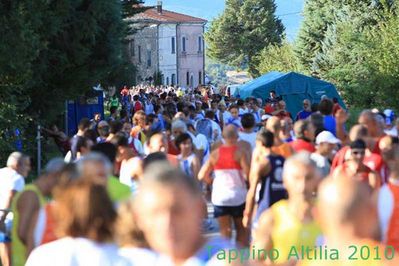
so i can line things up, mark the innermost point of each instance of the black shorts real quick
(234, 211)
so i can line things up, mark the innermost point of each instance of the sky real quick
(287, 10)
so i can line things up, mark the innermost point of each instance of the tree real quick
(278, 58)
(244, 29)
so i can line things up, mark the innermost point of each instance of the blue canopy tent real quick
(293, 87)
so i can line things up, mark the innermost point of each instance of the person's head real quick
(84, 124)
(115, 127)
(306, 105)
(51, 174)
(97, 117)
(389, 147)
(303, 130)
(135, 98)
(170, 211)
(214, 105)
(233, 109)
(157, 142)
(107, 149)
(95, 168)
(265, 139)
(210, 114)
(248, 121)
(84, 209)
(184, 144)
(103, 129)
(113, 111)
(282, 105)
(345, 209)
(357, 151)
(272, 94)
(301, 177)
(122, 144)
(178, 127)
(317, 120)
(369, 119)
(139, 118)
(128, 233)
(273, 125)
(83, 146)
(222, 107)
(127, 128)
(326, 107)
(20, 163)
(286, 124)
(230, 134)
(326, 142)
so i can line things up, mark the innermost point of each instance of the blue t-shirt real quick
(330, 124)
(303, 115)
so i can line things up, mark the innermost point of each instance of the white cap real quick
(327, 136)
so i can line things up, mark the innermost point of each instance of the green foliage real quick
(52, 51)
(244, 29)
(279, 58)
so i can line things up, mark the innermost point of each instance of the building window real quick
(200, 78)
(173, 79)
(148, 58)
(184, 44)
(167, 80)
(200, 44)
(132, 48)
(173, 45)
(188, 78)
(192, 81)
(139, 48)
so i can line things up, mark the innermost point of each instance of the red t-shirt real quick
(302, 145)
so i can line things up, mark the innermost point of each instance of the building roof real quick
(166, 16)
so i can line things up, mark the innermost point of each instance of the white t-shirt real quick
(248, 137)
(322, 163)
(125, 175)
(139, 256)
(9, 180)
(70, 251)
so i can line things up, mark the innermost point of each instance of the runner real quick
(326, 143)
(248, 133)
(304, 135)
(231, 168)
(280, 147)
(12, 181)
(26, 207)
(290, 223)
(354, 167)
(189, 162)
(266, 184)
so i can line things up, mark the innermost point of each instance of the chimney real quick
(159, 7)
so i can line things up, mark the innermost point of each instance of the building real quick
(168, 43)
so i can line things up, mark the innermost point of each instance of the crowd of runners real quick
(132, 188)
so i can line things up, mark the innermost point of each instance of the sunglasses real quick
(358, 152)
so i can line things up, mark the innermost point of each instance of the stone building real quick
(168, 43)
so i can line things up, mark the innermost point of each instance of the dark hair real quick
(210, 114)
(358, 144)
(248, 120)
(113, 109)
(107, 149)
(314, 107)
(266, 137)
(273, 91)
(84, 124)
(150, 119)
(233, 106)
(182, 138)
(335, 100)
(240, 102)
(135, 97)
(81, 143)
(115, 127)
(326, 107)
(120, 140)
(91, 134)
(154, 157)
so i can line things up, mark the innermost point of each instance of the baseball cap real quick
(389, 116)
(327, 136)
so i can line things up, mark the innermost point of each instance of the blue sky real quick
(209, 9)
